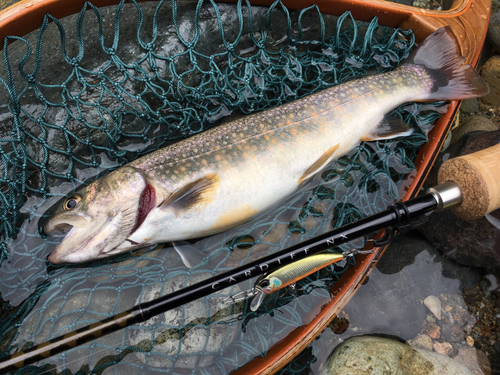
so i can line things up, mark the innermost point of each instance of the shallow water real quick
(391, 303)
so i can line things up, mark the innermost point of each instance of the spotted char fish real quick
(225, 176)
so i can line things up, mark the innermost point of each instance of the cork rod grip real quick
(478, 176)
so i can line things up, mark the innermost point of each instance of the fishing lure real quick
(289, 274)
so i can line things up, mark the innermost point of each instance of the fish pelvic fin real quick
(319, 164)
(190, 255)
(199, 192)
(389, 127)
(451, 79)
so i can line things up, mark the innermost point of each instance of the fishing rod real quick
(462, 180)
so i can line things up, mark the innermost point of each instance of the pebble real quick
(473, 123)
(444, 348)
(448, 318)
(469, 340)
(469, 106)
(448, 308)
(491, 74)
(433, 303)
(422, 342)
(434, 332)
(456, 329)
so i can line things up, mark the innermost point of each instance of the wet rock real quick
(496, 346)
(376, 355)
(483, 362)
(494, 30)
(446, 332)
(474, 123)
(190, 336)
(491, 74)
(447, 142)
(422, 342)
(474, 243)
(444, 348)
(469, 106)
(474, 360)
(434, 332)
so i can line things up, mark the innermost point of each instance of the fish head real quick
(98, 217)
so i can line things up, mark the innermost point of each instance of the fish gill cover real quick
(91, 92)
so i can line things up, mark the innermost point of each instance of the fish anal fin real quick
(196, 194)
(319, 164)
(388, 128)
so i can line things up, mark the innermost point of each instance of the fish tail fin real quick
(438, 55)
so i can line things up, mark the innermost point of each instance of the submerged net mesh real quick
(93, 91)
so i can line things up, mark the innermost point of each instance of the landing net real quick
(91, 92)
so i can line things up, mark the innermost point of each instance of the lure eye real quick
(264, 283)
(71, 203)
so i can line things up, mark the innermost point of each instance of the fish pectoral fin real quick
(389, 127)
(188, 196)
(319, 164)
(189, 254)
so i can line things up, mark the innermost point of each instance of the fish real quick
(225, 176)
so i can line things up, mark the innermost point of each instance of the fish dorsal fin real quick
(389, 127)
(319, 164)
(192, 194)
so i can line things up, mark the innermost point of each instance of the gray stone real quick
(189, 336)
(494, 30)
(491, 74)
(469, 105)
(473, 123)
(372, 355)
(475, 360)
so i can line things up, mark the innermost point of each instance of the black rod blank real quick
(395, 216)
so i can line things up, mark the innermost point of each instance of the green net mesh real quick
(93, 91)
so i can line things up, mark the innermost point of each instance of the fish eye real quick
(71, 202)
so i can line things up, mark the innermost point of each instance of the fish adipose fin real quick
(388, 128)
(319, 164)
(189, 254)
(451, 80)
(188, 196)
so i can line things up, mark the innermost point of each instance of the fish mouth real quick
(60, 226)
(59, 230)
(60, 254)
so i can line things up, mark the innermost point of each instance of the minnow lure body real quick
(290, 274)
